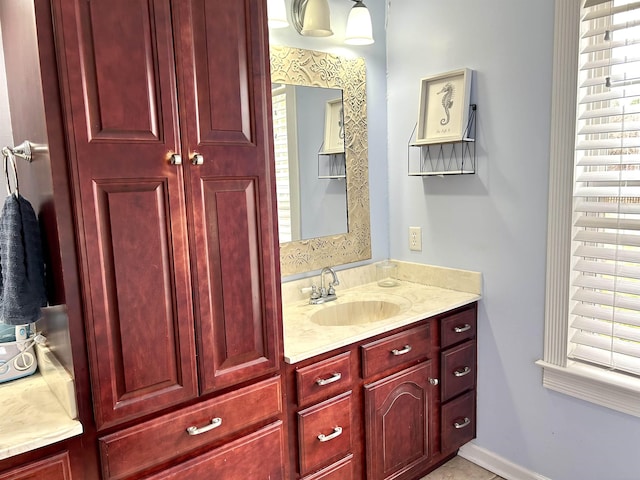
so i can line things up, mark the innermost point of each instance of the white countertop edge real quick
(52, 436)
(376, 329)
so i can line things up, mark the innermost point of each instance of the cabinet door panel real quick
(52, 468)
(233, 317)
(223, 82)
(119, 87)
(400, 423)
(223, 79)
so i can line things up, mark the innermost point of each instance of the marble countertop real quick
(32, 416)
(38, 410)
(303, 338)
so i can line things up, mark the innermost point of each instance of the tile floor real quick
(460, 469)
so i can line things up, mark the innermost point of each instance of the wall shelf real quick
(332, 165)
(444, 158)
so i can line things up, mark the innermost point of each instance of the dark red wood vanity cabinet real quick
(395, 406)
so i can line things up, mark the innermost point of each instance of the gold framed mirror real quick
(296, 66)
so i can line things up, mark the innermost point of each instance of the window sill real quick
(608, 389)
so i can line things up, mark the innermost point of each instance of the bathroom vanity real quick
(389, 394)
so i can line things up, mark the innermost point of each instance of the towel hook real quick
(9, 158)
(23, 151)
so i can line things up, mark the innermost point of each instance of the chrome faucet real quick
(324, 294)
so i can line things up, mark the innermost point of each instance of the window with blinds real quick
(605, 309)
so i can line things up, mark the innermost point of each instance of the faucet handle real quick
(315, 293)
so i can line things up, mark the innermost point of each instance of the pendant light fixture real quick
(312, 18)
(277, 14)
(359, 30)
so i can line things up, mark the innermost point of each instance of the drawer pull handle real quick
(404, 351)
(326, 381)
(434, 381)
(464, 423)
(337, 431)
(175, 159)
(461, 329)
(215, 423)
(463, 372)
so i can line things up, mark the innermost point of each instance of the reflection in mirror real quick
(295, 66)
(308, 130)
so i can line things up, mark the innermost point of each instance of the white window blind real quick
(605, 307)
(280, 142)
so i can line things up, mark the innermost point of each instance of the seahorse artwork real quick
(447, 101)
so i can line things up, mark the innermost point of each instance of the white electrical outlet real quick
(415, 239)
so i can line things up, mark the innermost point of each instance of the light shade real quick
(277, 14)
(317, 19)
(359, 30)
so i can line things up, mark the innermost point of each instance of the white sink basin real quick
(356, 312)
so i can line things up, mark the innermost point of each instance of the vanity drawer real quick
(458, 327)
(257, 456)
(397, 350)
(458, 422)
(137, 448)
(323, 379)
(458, 366)
(324, 433)
(341, 470)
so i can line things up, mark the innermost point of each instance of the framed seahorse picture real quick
(333, 127)
(444, 107)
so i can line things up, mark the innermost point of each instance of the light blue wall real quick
(495, 222)
(375, 60)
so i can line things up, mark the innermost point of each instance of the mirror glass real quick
(348, 119)
(308, 131)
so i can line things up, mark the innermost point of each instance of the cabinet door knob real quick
(462, 328)
(215, 423)
(464, 423)
(337, 431)
(434, 381)
(462, 372)
(333, 378)
(175, 159)
(197, 159)
(404, 351)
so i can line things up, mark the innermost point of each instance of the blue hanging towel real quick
(22, 284)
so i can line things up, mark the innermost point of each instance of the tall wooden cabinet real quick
(169, 152)
(159, 128)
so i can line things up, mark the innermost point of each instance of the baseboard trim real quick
(496, 464)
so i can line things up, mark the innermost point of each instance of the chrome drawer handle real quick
(337, 431)
(465, 423)
(463, 328)
(434, 381)
(215, 423)
(463, 372)
(326, 381)
(404, 351)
